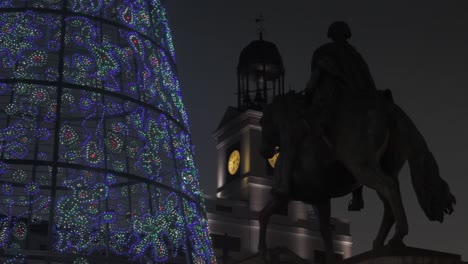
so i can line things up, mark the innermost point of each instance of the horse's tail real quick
(432, 191)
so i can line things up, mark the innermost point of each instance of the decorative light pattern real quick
(96, 160)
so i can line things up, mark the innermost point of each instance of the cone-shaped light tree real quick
(96, 160)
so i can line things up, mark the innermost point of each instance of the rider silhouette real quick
(336, 67)
(340, 63)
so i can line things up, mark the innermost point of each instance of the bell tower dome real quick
(260, 73)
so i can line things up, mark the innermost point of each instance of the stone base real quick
(279, 255)
(404, 255)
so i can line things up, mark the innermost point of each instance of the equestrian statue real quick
(340, 135)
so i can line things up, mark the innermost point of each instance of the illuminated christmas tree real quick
(96, 161)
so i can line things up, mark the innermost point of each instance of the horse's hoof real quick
(396, 243)
(262, 250)
(355, 205)
(263, 253)
(377, 245)
(331, 260)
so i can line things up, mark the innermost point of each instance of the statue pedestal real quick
(404, 255)
(279, 255)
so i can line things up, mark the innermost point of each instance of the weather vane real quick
(260, 26)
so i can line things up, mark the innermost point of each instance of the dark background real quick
(418, 49)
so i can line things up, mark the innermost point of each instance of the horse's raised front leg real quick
(388, 220)
(273, 206)
(323, 210)
(357, 202)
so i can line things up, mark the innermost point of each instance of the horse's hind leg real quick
(273, 206)
(373, 177)
(388, 220)
(323, 212)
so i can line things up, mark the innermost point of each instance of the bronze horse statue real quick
(362, 146)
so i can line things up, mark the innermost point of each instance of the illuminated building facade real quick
(96, 160)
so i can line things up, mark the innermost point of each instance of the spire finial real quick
(260, 26)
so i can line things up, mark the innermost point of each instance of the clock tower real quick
(244, 177)
(260, 75)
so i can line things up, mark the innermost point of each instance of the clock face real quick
(233, 162)
(272, 160)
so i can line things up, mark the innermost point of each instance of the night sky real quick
(418, 49)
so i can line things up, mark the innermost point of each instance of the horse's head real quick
(270, 132)
(282, 110)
